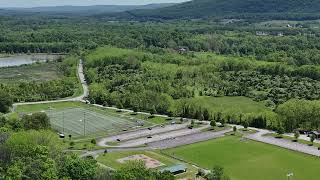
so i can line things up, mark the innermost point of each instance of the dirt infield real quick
(149, 162)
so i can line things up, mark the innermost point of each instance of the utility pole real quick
(63, 121)
(84, 123)
(289, 175)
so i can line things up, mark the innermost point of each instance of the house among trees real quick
(182, 49)
(262, 33)
(280, 34)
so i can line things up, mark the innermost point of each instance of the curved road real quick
(79, 98)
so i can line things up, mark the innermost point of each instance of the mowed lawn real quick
(237, 104)
(249, 160)
(48, 106)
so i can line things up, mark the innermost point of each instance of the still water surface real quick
(17, 60)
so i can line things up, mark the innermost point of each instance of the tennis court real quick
(83, 122)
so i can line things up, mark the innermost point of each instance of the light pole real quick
(289, 175)
(84, 123)
(63, 121)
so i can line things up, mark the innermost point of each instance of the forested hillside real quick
(82, 10)
(297, 46)
(272, 9)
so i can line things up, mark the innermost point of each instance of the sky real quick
(36, 3)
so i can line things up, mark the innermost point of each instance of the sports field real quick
(111, 160)
(83, 122)
(249, 160)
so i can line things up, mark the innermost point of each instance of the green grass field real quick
(83, 122)
(34, 72)
(231, 105)
(68, 117)
(45, 107)
(249, 160)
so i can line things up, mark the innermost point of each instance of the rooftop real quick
(175, 168)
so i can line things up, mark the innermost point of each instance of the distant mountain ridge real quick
(86, 10)
(234, 8)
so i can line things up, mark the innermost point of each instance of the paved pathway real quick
(302, 137)
(287, 144)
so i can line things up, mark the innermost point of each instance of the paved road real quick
(79, 98)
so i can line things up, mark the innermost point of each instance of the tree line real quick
(51, 35)
(166, 83)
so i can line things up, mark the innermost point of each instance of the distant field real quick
(230, 104)
(249, 160)
(34, 72)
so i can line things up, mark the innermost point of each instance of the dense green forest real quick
(298, 46)
(220, 60)
(166, 82)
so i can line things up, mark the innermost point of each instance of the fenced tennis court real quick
(83, 122)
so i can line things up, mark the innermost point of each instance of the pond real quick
(17, 60)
